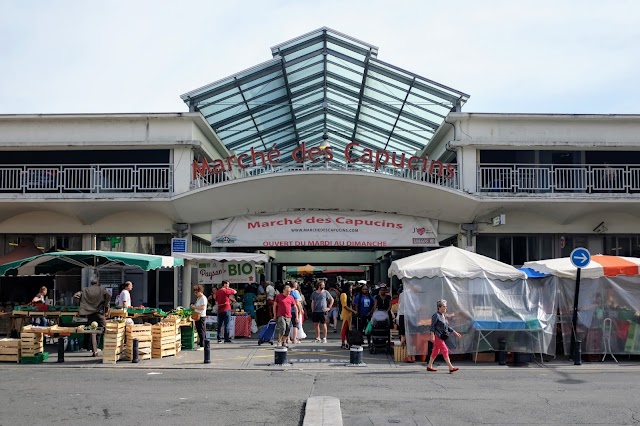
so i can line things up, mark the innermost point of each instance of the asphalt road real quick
(510, 396)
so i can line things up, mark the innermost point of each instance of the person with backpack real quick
(363, 304)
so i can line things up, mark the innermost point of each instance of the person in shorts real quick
(283, 306)
(332, 315)
(321, 303)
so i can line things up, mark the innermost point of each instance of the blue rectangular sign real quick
(178, 245)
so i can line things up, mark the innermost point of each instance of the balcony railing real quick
(413, 175)
(559, 178)
(75, 178)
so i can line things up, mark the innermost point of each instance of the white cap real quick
(362, 281)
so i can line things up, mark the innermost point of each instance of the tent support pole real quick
(574, 320)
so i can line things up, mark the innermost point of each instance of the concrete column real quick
(274, 271)
(267, 271)
(182, 159)
(468, 169)
(88, 242)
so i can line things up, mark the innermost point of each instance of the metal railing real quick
(413, 175)
(94, 178)
(559, 178)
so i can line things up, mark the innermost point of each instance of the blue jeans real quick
(224, 318)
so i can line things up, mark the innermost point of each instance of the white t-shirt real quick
(202, 300)
(124, 299)
(271, 292)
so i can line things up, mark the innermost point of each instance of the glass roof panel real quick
(297, 75)
(364, 99)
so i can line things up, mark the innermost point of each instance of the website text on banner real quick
(234, 272)
(324, 229)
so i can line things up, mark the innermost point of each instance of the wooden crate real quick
(142, 332)
(163, 340)
(10, 350)
(31, 344)
(114, 338)
(399, 353)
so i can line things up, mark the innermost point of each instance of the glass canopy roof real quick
(325, 87)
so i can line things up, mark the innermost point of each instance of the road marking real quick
(152, 373)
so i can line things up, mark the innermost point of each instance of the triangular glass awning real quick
(325, 85)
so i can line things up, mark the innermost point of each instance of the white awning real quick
(225, 256)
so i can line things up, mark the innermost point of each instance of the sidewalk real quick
(245, 354)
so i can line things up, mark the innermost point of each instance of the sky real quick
(139, 56)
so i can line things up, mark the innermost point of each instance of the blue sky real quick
(140, 56)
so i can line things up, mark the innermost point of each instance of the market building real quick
(323, 154)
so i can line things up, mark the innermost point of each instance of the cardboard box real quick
(483, 357)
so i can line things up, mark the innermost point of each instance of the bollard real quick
(135, 358)
(355, 357)
(60, 349)
(207, 351)
(502, 355)
(577, 352)
(280, 354)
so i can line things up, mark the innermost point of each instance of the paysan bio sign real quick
(234, 272)
(325, 229)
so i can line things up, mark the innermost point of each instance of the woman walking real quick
(347, 312)
(440, 331)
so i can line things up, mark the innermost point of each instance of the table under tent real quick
(488, 302)
(608, 303)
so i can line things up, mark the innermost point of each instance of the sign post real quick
(580, 258)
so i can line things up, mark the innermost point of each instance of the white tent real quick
(487, 301)
(453, 262)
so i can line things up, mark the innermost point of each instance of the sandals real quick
(452, 370)
(431, 369)
(409, 360)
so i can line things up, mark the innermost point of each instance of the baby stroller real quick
(380, 332)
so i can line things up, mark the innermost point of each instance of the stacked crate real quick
(31, 344)
(142, 332)
(175, 322)
(10, 350)
(188, 337)
(163, 340)
(113, 342)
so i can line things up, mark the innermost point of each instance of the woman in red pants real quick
(440, 331)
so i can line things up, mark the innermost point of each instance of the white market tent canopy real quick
(225, 256)
(452, 262)
(600, 266)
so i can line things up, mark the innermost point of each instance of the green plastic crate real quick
(37, 359)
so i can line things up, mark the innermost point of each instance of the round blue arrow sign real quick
(580, 257)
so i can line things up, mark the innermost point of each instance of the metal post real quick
(135, 358)
(574, 320)
(577, 352)
(60, 349)
(502, 356)
(207, 351)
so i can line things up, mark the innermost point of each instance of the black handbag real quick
(444, 335)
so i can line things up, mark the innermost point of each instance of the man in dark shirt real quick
(94, 302)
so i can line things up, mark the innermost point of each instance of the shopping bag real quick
(254, 326)
(369, 327)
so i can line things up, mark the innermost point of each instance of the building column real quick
(182, 274)
(468, 162)
(182, 169)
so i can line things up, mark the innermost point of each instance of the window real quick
(515, 249)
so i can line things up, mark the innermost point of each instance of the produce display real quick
(181, 312)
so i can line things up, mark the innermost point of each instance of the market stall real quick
(488, 302)
(608, 302)
(240, 269)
